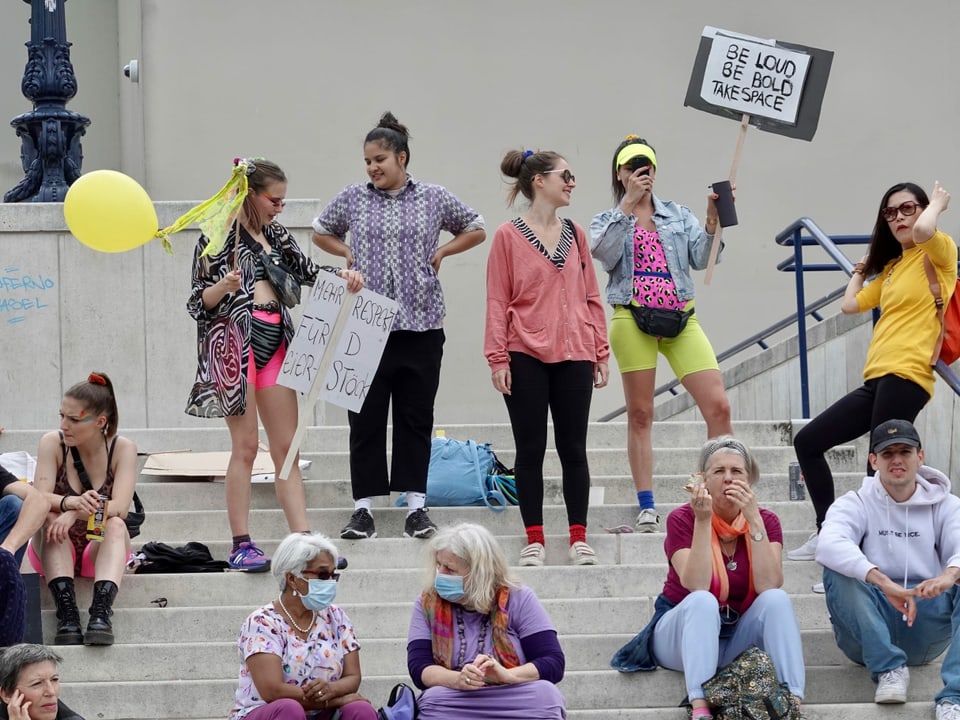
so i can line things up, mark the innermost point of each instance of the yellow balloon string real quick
(215, 215)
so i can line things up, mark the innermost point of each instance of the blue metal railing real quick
(792, 236)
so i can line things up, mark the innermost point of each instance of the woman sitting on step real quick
(723, 589)
(78, 466)
(30, 684)
(299, 656)
(480, 644)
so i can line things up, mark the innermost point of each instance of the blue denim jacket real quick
(685, 245)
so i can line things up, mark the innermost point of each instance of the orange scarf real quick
(439, 614)
(720, 582)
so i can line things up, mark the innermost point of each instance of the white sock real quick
(364, 503)
(415, 501)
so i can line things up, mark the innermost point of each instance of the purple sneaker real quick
(249, 558)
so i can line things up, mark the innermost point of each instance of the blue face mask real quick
(320, 595)
(449, 587)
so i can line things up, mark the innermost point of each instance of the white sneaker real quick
(948, 711)
(583, 554)
(892, 686)
(807, 551)
(818, 588)
(533, 555)
(648, 521)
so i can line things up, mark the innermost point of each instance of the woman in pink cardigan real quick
(546, 341)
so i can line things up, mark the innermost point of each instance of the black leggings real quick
(566, 388)
(884, 398)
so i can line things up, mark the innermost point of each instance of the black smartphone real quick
(640, 162)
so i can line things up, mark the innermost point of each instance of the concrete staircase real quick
(180, 661)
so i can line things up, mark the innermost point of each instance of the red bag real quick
(947, 347)
(950, 350)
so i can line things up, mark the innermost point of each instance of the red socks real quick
(578, 533)
(535, 534)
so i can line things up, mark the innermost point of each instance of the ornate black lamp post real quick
(49, 134)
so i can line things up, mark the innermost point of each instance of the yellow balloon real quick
(109, 211)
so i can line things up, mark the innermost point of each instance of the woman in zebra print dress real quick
(242, 335)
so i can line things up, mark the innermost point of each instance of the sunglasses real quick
(906, 209)
(320, 575)
(565, 175)
(277, 202)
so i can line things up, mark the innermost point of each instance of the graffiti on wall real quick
(24, 294)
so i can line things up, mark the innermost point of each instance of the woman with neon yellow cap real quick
(648, 247)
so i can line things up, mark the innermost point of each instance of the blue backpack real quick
(402, 704)
(460, 474)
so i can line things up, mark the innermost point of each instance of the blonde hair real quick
(487, 569)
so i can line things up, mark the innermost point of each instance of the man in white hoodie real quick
(891, 558)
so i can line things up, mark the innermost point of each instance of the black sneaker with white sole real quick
(419, 525)
(360, 526)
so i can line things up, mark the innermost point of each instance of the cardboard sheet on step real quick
(210, 466)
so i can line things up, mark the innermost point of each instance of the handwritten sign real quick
(357, 350)
(755, 77)
(22, 293)
(778, 86)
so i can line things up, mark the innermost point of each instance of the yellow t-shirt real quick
(904, 337)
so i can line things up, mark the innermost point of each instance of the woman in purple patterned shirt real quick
(394, 222)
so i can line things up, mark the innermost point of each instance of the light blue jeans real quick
(688, 638)
(9, 512)
(871, 632)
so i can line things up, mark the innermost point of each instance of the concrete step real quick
(921, 710)
(150, 662)
(331, 438)
(590, 689)
(204, 525)
(177, 494)
(365, 586)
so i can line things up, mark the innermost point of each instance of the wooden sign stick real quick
(307, 404)
(734, 166)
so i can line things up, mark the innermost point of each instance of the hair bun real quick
(388, 120)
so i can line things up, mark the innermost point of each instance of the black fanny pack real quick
(660, 322)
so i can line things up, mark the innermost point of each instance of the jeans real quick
(9, 512)
(688, 638)
(871, 632)
(856, 413)
(566, 389)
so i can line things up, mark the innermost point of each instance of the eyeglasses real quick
(277, 202)
(320, 575)
(565, 174)
(906, 209)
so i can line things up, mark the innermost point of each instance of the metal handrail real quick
(791, 236)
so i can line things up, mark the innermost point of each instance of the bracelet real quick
(857, 269)
(63, 503)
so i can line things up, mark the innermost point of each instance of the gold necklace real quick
(293, 622)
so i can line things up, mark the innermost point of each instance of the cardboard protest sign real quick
(779, 85)
(353, 349)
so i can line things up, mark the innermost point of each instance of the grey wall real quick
(301, 81)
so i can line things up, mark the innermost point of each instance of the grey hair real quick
(298, 550)
(729, 443)
(487, 568)
(16, 657)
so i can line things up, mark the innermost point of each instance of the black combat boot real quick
(99, 629)
(68, 614)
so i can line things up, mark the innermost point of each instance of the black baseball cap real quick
(893, 432)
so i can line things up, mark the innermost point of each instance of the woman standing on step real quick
(299, 656)
(480, 644)
(723, 589)
(546, 342)
(84, 461)
(649, 246)
(898, 375)
(394, 223)
(243, 331)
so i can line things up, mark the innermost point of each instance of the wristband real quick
(63, 506)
